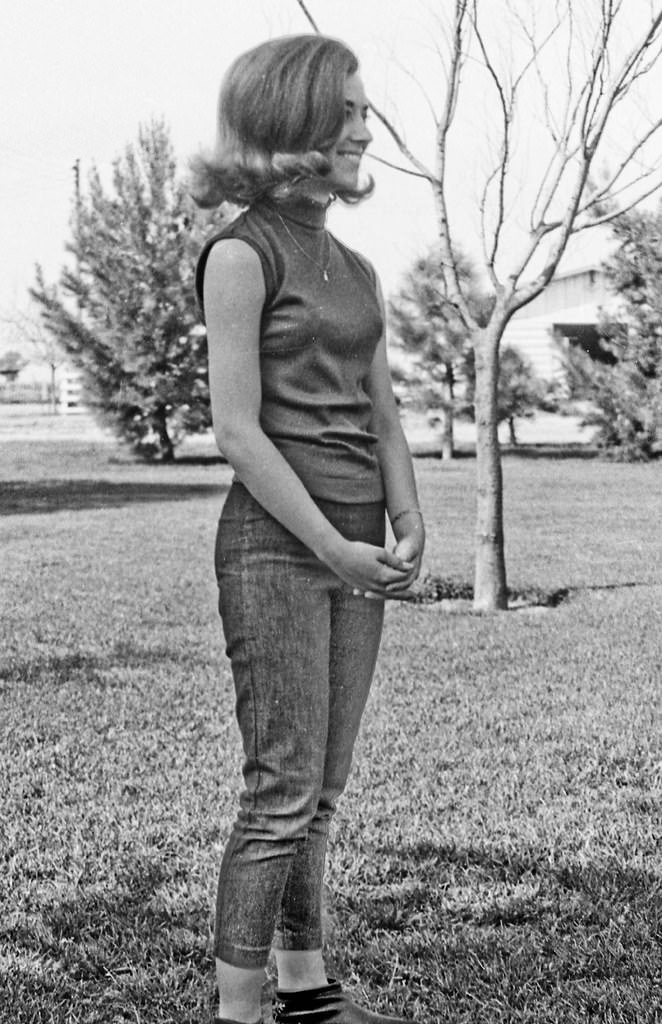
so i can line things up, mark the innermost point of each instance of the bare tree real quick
(555, 92)
(29, 327)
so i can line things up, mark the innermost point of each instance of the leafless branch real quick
(482, 206)
(396, 167)
(30, 327)
(421, 169)
(608, 191)
(549, 185)
(607, 218)
(426, 97)
(507, 98)
(593, 89)
(575, 132)
(611, 198)
(622, 83)
(308, 15)
(507, 105)
(597, 101)
(556, 131)
(449, 266)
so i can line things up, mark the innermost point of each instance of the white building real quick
(567, 312)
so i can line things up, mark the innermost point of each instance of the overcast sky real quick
(77, 77)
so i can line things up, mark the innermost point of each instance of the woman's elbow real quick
(235, 438)
(386, 425)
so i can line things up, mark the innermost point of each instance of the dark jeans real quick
(303, 651)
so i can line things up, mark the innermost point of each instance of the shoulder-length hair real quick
(281, 108)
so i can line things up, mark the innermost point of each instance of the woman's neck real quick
(316, 192)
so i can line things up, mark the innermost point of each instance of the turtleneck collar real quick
(301, 210)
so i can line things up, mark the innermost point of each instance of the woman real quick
(303, 410)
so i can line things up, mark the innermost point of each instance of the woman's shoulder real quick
(362, 262)
(242, 246)
(232, 230)
(228, 254)
(233, 280)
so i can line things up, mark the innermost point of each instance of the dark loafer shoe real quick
(226, 1020)
(327, 1005)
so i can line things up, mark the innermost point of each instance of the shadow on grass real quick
(53, 668)
(569, 450)
(530, 452)
(441, 929)
(512, 931)
(434, 589)
(103, 950)
(20, 497)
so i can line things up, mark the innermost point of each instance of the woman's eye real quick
(350, 114)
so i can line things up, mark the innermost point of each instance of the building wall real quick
(571, 299)
(583, 288)
(535, 341)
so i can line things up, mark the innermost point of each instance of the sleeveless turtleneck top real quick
(320, 326)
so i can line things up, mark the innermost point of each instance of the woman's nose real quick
(361, 132)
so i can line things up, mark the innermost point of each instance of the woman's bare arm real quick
(396, 465)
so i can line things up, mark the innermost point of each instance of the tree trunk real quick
(490, 589)
(165, 441)
(448, 412)
(52, 391)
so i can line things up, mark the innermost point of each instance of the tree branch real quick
(507, 109)
(396, 167)
(449, 267)
(608, 192)
(623, 82)
(598, 103)
(607, 218)
(308, 15)
(508, 103)
(421, 169)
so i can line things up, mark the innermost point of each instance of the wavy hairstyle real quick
(281, 107)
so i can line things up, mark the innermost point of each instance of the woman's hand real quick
(410, 549)
(410, 542)
(371, 571)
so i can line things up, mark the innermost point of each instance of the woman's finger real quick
(394, 562)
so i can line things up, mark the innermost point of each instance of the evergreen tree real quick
(519, 391)
(427, 326)
(625, 388)
(125, 309)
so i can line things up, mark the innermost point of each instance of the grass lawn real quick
(498, 853)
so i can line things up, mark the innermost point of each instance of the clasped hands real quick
(377, 573)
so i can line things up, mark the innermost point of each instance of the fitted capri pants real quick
(303, 650)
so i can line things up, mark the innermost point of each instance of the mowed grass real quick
(497, 856)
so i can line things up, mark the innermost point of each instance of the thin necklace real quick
(323, 268)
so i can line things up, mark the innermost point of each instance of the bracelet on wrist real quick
(406, 512)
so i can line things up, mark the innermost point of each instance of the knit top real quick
(320, 325)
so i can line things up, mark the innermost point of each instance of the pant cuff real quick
(239, 956)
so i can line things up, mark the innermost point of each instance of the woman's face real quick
(345, 156)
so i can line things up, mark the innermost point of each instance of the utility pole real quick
(76, 170)
(77, 200)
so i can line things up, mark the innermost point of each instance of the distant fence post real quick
(69, 393)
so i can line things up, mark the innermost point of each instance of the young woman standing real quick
(304, 412)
